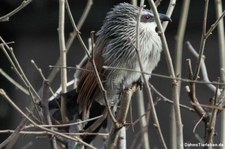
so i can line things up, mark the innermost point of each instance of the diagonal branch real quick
(20, 7)
(75, 138)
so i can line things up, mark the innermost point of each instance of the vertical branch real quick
(175, 89)
(125, 102)
(169, 12)
(62, 58)
(221, 38)
(178, 63)
(180, 37)
(203, 41)
(220, 30)
(147, 87)
(72, 34)
(45, 96)
(144, 123)
(134, 2)
(141, 109)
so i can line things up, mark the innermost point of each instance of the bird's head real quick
(121, 21)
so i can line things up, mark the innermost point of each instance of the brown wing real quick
(88, 87)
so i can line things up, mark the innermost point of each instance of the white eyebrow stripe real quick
(147, 13)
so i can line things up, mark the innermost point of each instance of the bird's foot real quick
(140, 83)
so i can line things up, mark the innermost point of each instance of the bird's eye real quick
(147, 17)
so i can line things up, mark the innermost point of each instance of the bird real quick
(115, 47)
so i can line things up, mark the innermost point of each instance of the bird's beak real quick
(164, 17)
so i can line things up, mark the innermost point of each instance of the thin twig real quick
(178, 63)
(151, 104)
(20, 7)
(192, 93)
(200, 120)
(203, 68)
(80, 23)
(164, 76)
(175, 89)
(11, 80)
(42, 75)
(211, 107)
(46, 113)
(98, 122)
(19, 71)
(104, 92)
(214, 25)
(2, 93)
(203, 41)
(180, 37)
(14, 135)
(73, 34)
(186, 80)
(29, 132)
(66, 125)
(170, 101)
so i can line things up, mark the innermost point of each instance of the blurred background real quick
(35, 36)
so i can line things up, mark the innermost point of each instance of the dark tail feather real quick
(72, 107)
(71, 104)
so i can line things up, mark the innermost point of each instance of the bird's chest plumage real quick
(150, 49)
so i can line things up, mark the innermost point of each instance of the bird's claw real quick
(140, 83)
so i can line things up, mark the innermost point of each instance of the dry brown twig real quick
(192, 93)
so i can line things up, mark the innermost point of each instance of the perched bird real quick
(115, 47)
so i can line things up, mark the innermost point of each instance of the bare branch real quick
(73, 34)
(63, 58)
(178, 63)
(20, 7)
(45, 133)
(104, 92)
(175, 89)
(151, 105)
(11, 80)
(203, 41)
(125, 102)
(169, 12)
(2, 93)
